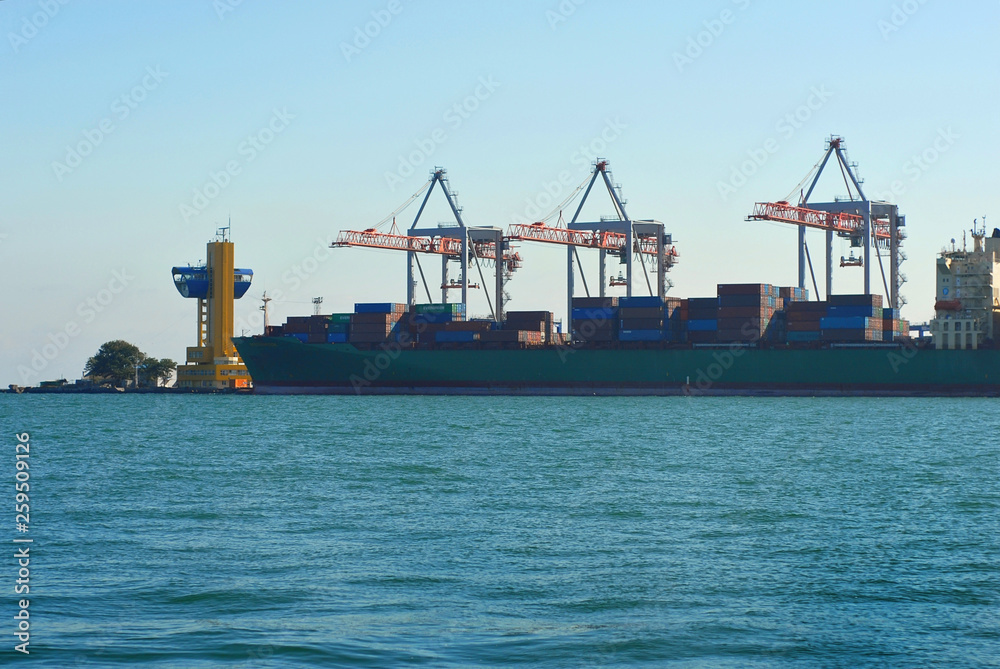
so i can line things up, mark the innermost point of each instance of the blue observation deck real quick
(194, 282)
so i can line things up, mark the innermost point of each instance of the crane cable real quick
(809, 174)
(392, 216)
(572, 196)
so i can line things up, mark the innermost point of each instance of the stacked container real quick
(448, 332)
(893, 327)
(675, 319)
(439, 313)
(530, 321)
(641, 319)
(338, 328)
(851, 318)
(372, 323)
(702, 322)
(297, 327)
(745, 310)
(528, 337)
(803, 321)
(595, 318)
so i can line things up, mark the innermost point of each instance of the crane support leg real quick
(802, 256)
(444, 279)
(661, 265)
(410, 280)
(604, 271)
(569, 289)
(894, 259)
(829, 263)
(868, 247)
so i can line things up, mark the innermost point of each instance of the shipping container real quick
(856, 300)
(640, 312)
(379, 308)
(746, 289)
(457, 336)
(454, 308)
(853, 310)
(702, 325)
(641, 324)
(747, 301)
(595, 314)
(336, 338)
(845, 323)
(641, 302)
(640, 335)
(595, 302)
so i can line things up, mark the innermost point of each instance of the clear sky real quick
(118, 115)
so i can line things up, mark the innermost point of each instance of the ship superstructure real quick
(967, 309)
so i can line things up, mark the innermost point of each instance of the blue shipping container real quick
(594, 314)
(456, 336)
(853, 311)
(336, 338)
(890, 313)
(640, 335)
(842, 323)
(374, 307)
(703, 326)
(802, 336)
(641, 302)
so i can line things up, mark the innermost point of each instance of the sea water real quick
(205, 531)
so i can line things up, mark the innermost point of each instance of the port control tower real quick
(214, 362)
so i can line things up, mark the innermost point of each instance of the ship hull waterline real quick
(284, 365)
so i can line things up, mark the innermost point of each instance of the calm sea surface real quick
(560, 532)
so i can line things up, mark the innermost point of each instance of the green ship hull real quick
(283, 365)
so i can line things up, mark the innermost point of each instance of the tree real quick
(115, 361)
(155, 370)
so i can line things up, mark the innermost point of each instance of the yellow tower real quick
(214, 362)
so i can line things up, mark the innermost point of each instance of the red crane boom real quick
(840, 222)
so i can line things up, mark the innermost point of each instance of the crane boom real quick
(445, 246)
(609, 241)
(839, 222)
(372, 238)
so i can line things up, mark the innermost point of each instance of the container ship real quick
(748, 338)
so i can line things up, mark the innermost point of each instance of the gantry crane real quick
(617, 235)
(869, 224)
(451, 243)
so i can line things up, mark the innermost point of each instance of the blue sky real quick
(304, 126)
